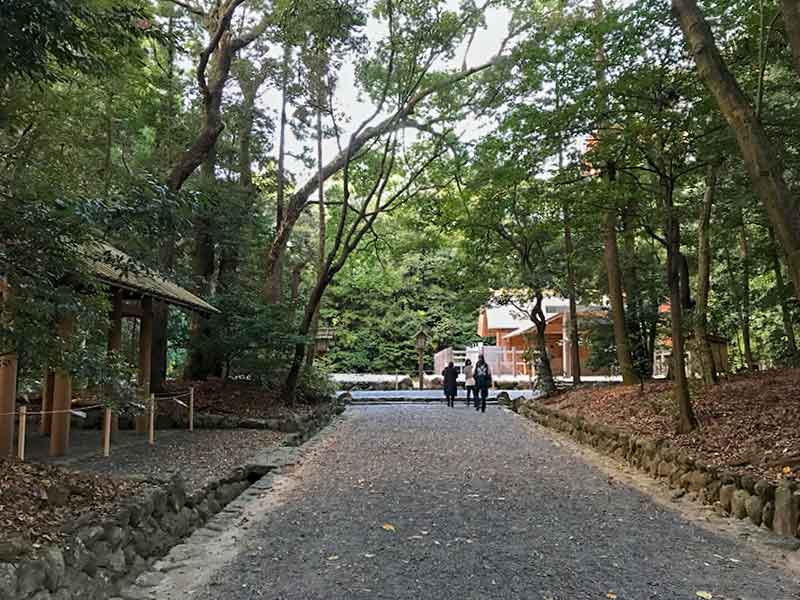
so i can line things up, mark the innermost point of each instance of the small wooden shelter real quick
(133, 289)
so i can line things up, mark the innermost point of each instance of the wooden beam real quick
(132, 309)
(8, 402)
(62, 396)
(145, 351)
(115, 330)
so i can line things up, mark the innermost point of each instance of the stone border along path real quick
(780, 552)
(190, 564)
(426, 502)
(101, 557)
(776, 507)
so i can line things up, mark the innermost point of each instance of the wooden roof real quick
(113, 267)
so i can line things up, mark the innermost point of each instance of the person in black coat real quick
(483, 381)
(450, 376)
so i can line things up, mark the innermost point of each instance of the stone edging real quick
(101, 557)
(773, 506)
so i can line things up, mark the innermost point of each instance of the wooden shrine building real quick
(133, 290)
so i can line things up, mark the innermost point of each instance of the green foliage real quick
(414, 276)
(42, 39)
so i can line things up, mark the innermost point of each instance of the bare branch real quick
(190, 7)
(223, 25)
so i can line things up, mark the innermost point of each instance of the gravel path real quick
(423, 502)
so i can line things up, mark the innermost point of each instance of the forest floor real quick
(39, 499)
(747, 424)
(240, 399)
(38, 502)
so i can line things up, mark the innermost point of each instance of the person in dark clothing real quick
(483, 380)
(450, 376)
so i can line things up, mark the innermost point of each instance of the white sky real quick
(486, 44)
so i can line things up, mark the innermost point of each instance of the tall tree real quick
(763, 162)
(708, 364)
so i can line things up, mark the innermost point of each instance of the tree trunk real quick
(638, 326)
(709, 368)
(574, 348)
(212, 125)
(274, 269)
(298, 200)
(569, 251)
(203, 360)
(680, 385)
(544, 370)
(293, 377)
(321, 233)
(212, 88)
(780, 290)
(616, 298)
(167, 252)
(763, 163)
(297, 278)
(746, 310)
(791, 21)
(107, 170)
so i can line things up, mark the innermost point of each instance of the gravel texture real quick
(426, 502)
(199, 457)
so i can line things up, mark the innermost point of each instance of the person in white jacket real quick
(469, 381)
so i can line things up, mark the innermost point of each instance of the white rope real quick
(55, 412)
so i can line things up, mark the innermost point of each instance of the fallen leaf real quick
(704, 595)
(334, 557)
(389, 527)
(611, 596)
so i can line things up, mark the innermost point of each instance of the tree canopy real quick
(638, 156)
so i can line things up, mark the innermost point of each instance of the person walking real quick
(469, 381)
(450, 377)
(483, 380)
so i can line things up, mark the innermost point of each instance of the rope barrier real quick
(81, 412)
(55, 412)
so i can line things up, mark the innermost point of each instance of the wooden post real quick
(151, 426)
(8, 402)
(46, 420)
(107, 418)
(62, 397)
(115, 330)
(514, 361)
(191, 409)
(145, 351)
(115, 337)
(23, 431)
(421, 373)
(8, 381)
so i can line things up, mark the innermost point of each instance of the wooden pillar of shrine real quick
(115, 337)
(8, 384)
(8, 402)
(46, 422)
(62, 396)
(145, 353)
